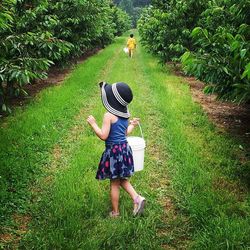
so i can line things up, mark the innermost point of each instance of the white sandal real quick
(140, 202)
(113, 214)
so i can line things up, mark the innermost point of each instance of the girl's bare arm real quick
(103, 132)
(133, 123)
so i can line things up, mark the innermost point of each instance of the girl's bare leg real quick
(138, 200)
(114, 194)
(129, 188)
(130, 53)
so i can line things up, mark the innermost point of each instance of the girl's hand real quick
(134, 121)
(91, 120)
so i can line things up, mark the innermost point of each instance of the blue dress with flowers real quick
(117, 159)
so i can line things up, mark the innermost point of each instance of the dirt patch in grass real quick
(230, 117)
(226, 115)
(6, 238)
(236, 189)
(11, 237)
(57, 152)
(22, 222)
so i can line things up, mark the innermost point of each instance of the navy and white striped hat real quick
(116, 98)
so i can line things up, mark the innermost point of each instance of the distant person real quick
(131, 45)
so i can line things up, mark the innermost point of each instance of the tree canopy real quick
(212, 37)
(135, 3)
(133, 8)
(35, 34)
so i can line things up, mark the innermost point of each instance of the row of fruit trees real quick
(36, 34)
(210, 38)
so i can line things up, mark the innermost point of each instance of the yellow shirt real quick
(131, 43)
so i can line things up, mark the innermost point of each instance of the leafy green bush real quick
(133, 8)
(222, 61)
(26, 49)
(221, 54)
(79, 22)
(38, 33)
(121, 20)
(214, 36)
(166, 26)
(5, 14)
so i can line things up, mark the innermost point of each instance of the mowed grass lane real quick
(73, 211)
(207, 173)
(28, 136)
(194, 199)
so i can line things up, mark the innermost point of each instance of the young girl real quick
(131, 45)
(116, 162)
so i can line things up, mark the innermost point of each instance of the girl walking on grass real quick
(131, 45)
(116, 162)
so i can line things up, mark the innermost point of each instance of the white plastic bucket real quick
(137, 145)
(125, 50)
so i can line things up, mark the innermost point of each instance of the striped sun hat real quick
(116, 97)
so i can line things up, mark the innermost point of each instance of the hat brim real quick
(110, 102)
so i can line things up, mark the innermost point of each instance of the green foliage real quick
(221, 51)
(216, 35)
(28, 137)
(133, 8)
(165, 27)
(141, 3)
(82, 23)
(136, 3)
(6, 14)
(38, 33)
(126, 5)
(206, 207)
(121, 20)
(222, 61)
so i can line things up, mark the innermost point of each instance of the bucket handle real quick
(140, 129)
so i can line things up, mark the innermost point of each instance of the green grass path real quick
(195, 198)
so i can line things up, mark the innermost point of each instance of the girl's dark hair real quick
(131, 35)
